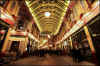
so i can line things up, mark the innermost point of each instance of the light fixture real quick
(21, 27)
(65, 43)
(25, 48)
(47, 14)
(49, 36)
(13, 31)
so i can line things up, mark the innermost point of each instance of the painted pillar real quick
(26, 41)
(71, 42)
(89, 39)
(6, 41)
(90, 44)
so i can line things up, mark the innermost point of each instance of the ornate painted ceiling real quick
(48, 14)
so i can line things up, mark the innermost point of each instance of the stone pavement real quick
(49, 61)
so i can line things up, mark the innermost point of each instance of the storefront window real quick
(94, 29)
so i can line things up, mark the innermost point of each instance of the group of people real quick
(76, 54)
(43, 52)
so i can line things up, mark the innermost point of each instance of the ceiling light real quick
(49, 36)
(47, 14)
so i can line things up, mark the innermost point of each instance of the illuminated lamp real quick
(21, 27)
(47, 14)
(49, 36)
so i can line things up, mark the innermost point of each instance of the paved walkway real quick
(49, 61)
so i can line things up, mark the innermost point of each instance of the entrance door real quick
(15, 46)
